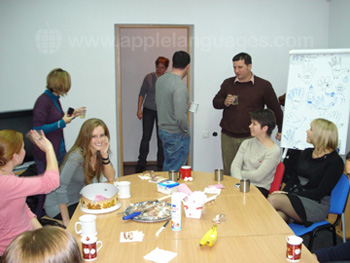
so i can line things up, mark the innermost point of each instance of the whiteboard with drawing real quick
(318, 87)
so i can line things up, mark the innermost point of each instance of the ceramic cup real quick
(90, 247)
(294, 245)
(123, 189)
(174, 175)
(87, 226)
(219, 175)
(244, 186)
(185, 171)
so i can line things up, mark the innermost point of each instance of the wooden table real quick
(251, 232)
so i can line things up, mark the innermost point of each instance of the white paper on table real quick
(208, 190)
(137, 236)
(160, 255)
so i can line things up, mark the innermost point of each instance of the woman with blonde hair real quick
(86, 162)
(306, 197)
(44, 245)
(15, 215)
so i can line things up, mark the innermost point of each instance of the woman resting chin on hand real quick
(86, 162)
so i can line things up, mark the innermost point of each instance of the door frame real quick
(119, 122)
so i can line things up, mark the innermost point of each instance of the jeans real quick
(149, 117)
(176, 149)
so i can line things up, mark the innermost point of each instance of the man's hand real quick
(278, 136)
(229, 100)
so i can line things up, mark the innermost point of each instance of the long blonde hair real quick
(82, 144)
(11, 142)
(43, 245)
(324, 135)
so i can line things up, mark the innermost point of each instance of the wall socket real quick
(205, 134)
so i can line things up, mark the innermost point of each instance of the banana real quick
(209, 238)
(213, 237)
(204, 239)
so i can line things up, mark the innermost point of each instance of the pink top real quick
(15, 215)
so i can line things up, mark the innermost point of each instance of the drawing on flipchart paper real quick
(318, 88)
(336, 66)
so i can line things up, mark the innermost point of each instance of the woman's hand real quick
(104, 148)
(41, 141)
(79, 111)
(279, 192)
(68, 119)
(139, 114)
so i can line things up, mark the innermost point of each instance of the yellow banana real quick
(209, 238)
(213, 237)
(204, 239)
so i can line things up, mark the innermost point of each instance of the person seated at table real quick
(258, 157)
(341, 252)
(44, 245)
(86, 162)
(306, 197)
(15, 215)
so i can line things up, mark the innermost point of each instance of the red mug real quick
(185, 171)
(90, 247)
(294, 244)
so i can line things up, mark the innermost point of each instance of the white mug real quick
(87, 226)
(123, 189)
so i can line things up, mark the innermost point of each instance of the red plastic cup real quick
(185, 171)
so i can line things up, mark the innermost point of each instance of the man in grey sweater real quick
(172, 105)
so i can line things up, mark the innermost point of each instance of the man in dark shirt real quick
(239, 96)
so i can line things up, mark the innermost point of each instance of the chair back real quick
(339, 195)
(276, 183)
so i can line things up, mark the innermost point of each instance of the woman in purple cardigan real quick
(49, 116)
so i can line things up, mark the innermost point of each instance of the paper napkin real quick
(131, 236)
(160, 255)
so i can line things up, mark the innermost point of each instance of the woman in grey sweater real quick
(258, 157)
(86, 162)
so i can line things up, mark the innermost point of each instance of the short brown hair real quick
(162, 60)
(58, 81)
(43, 245)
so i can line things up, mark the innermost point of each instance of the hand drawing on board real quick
(336, 66)
(318, 87)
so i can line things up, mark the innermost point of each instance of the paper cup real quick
(294, 245)
(193, 108)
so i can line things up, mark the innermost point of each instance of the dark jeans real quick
(148, 121)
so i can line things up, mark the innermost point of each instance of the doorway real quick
(137, 48)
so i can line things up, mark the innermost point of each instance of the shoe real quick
(140, 168)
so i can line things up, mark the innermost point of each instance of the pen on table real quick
(162, 228)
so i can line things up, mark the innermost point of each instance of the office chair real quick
(339, 197)
(276, 183)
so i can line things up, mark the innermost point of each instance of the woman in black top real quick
(306, 196)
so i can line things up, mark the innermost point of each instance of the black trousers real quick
(148, 121)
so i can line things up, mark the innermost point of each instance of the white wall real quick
(339, 36)
(83, 32)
